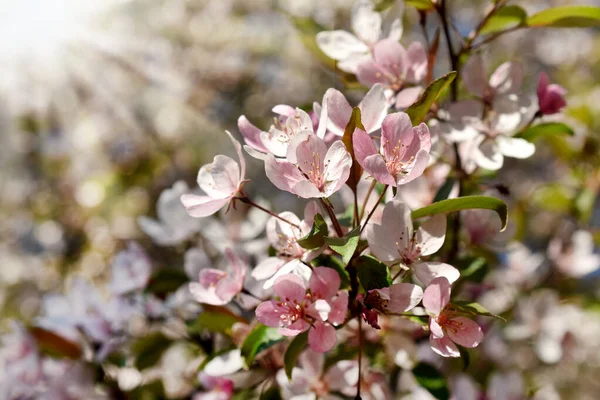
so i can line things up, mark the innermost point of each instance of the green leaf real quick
(372, 273)
(423, 5)
(432, 380)
(539, 131)
(566, 17)
(465, 203)
(473, 268)
(166, 281)
(356, 170)
(473, 308)
(296, 347)
(554, 197)
(261, 338)
(504, 18)
(316, 237)
(584, 204)
(213, 322)
(345, 246)
(54, 345)
(418, 111)
(149, 349)
(444, 191)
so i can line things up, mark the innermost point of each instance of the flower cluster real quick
(385, 268)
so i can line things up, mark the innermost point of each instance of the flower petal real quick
(444, 346)
(404, 297)
(290, 287)
(515, 147)
(373, 108)
(284, 175)
(474, 75)
(251, 134)
(338, 111)
(340, 44)
(431, 234)
(202, 206)
(324, 282)
(507, 78)
(428, 271)
(322, 337)
(437, 295)
(465, 332)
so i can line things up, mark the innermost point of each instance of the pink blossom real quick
(19, 357)
(551, 97)
(403, 153)
(575, 258)
(393, 66)
(311, 170)
(446, 328)
(310, 377)
(299, 309)
(173, 224)
(394, 241)
(288, 124)
(373, 108)
(221, 181)
(219, 388)
(218, 287)
(506, 79)
(131, 270)
(352, 49)
(284, 237)
(396, 299)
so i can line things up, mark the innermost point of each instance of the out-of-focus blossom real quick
(505, 80)
(239, 229)
(173, 224)
(218, 287)
(577, 258)
(310, 377)
(506, 386)
(311, 170)
(84, 308)
(446, 328)
(393, 65)
(219, 388)
(298, 310)
(131, 270)
(221, 181)
(350, 50)
(458, 121)
(20, 361)
(403, 153)
(284, 237)
(421, 192)
(373, 109)
(551, 97)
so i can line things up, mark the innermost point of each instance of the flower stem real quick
(360, 350)
(364, 206)
(246, 200)
(374, 208)
(336, 224)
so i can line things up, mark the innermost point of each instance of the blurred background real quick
(107, 103)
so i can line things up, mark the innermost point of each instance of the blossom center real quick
(393, 160)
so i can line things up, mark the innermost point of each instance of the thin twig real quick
(334, 220)
(360, 349)
(366, 200)
(374, 208)
(247, 200)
